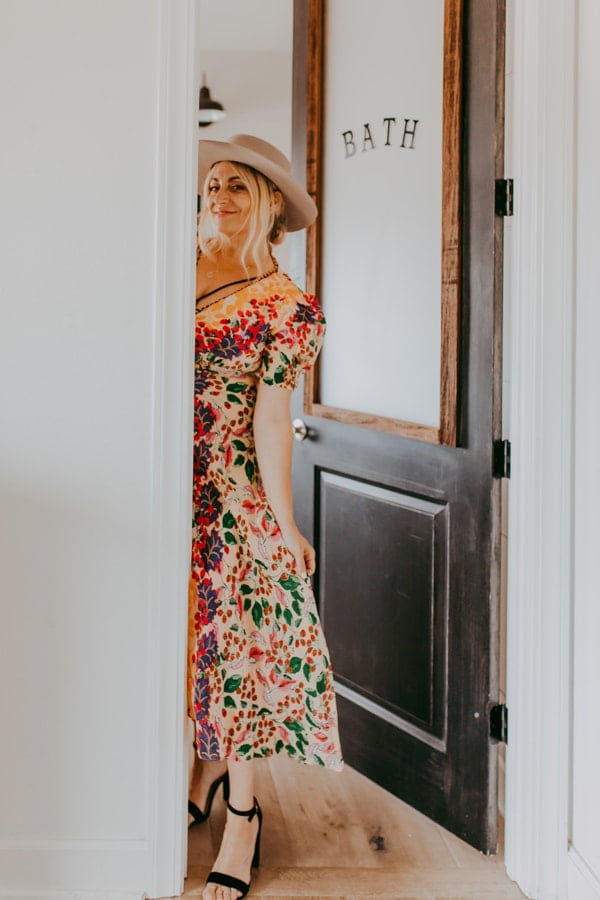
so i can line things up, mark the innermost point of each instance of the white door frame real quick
(177, 133)
(539, 374)
(539, 296)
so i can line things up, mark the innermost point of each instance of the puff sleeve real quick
(294, 343)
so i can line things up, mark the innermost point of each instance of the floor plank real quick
(330, 836)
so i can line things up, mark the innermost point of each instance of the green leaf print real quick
(321, 684)
(245, 749)
(279, 375)
(297, 608)
(238, 387)
(247, 604)
(312, 722)
(229, 703)
(279, 746)
(285, 358)
(287, 615)
(295, 664)
(278, 610)
(232, 684)
(294, 726)
(239, 445)
(306, 670)
(249, 470)
(239, 460)
(234, 399)
(230, 538)
(257, 614)
(245, 589)
(289, 582)
(228, 520)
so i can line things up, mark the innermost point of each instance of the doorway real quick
(440, 732)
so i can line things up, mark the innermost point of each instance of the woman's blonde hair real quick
(266, 217)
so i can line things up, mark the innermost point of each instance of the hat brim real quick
(301, 210)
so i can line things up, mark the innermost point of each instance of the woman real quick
(260, 678)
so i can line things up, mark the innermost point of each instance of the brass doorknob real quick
(300, 429)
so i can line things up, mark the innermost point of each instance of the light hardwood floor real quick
(330, 836)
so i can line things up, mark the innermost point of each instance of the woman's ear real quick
(277, 202)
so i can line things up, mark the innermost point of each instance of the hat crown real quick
(263, 148)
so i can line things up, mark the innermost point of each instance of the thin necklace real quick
(247, 281)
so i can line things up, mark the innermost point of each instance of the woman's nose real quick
(220, 194)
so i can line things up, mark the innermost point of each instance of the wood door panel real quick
(385, 612)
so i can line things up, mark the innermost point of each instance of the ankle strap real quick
(247, 813)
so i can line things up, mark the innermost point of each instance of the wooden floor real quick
(330, 836)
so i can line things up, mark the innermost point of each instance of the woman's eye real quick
(212, 188)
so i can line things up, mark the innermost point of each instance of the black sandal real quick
(228, 880)
(200, 815)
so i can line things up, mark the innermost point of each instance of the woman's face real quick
(228, 199)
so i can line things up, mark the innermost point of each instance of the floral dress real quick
(260, 680)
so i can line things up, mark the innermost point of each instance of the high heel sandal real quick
(201, 815)
(228, 880)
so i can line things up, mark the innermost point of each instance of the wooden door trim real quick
(451, 256)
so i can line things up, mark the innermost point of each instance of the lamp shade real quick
(209, 110)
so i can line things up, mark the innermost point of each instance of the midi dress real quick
(259, 675)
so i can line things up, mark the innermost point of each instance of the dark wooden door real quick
(407, 530)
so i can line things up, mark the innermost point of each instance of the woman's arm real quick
(274, 443)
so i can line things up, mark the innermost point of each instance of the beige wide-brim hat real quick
(301, 210)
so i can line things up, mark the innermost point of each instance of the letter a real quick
(367, 137)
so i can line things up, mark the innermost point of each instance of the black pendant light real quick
(209, 110)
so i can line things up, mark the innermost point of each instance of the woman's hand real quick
(302, 550)
(274, 441)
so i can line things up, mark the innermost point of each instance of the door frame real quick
(171, 438)
(539, 247)
(538, 683)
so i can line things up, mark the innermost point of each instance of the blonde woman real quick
(260, 675)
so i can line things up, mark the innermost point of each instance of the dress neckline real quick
(248, 282)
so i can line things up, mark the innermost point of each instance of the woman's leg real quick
(239, 837)
(203, 775)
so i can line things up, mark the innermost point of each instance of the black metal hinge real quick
(504, 197)
(501, 459)
(499, 723)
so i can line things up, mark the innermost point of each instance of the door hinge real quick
(501, 459)
(504, 197)
(499, 723)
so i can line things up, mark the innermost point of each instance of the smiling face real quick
(228, 200)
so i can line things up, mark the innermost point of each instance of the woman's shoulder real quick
(292, 300)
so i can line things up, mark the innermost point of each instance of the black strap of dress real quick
(222, 287)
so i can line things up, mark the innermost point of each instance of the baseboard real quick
(76, 870)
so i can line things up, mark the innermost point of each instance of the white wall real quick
(84, 92)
